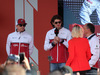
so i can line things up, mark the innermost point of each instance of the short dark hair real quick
(56, 17)
(91, 27)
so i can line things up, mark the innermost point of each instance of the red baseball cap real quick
(21, 21)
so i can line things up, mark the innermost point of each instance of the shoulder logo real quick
(97, 46)
(14, 37)
(52, 34)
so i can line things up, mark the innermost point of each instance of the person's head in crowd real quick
(77, 31)
(12, 59)
(66, 70)
(56, 72)
(15, 69)
(89, 29)
(56, 21)
(21, 24)
(1, 69)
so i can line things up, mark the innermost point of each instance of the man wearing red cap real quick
(19, 41)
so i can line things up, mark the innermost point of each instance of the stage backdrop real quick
(37, 14)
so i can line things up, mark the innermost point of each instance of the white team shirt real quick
(94, 46)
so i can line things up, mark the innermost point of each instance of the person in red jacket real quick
(56, 42)
(19, 41)
(79, 51)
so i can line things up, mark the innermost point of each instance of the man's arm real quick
(47, 44)
(65, 42)
(31, 46)
(95, 53)
(8, 45)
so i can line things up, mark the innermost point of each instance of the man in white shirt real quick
(56, 41)
(19, 41)
(89, 30)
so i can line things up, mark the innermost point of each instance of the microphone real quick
(56, 32)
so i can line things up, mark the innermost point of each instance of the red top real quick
(79, 54)
(59, 53)
(16, 48)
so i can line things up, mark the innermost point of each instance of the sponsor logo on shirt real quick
(15, 45)
(23, 45)
(14, 37)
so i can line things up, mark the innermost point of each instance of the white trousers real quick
(87, 9)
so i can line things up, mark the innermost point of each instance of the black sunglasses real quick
(58, 22)
(22, 25)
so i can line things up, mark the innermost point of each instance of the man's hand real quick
(56, 40)
(26, 63)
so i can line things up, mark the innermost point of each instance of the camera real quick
(17, 58)
(13, 57)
